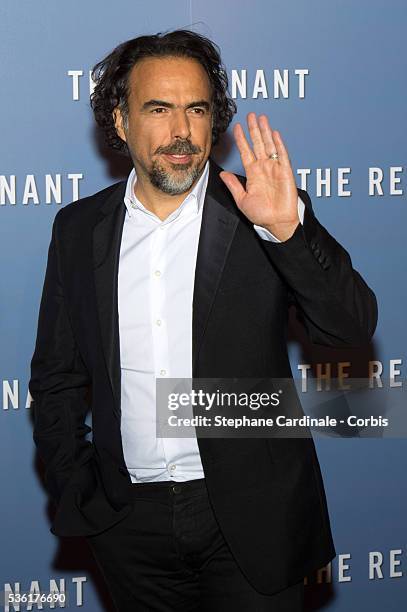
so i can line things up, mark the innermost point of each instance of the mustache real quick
(180, 147)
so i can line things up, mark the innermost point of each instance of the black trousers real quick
(169, 554)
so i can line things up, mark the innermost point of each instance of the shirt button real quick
(162, 227)
(173, 468)
(133, 205)
(158, 321)
(163, 372)
(157, 273)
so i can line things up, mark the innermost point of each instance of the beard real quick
(174, 182)
(180, 177)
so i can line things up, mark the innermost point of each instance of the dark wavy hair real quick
(111, 76)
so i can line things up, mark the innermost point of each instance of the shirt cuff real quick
(266, 235)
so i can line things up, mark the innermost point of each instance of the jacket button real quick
(317, 253)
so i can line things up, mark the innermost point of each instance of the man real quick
(185, 271)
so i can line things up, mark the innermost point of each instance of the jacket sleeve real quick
(335, 304)
(59, 383)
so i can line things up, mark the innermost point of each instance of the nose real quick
(180, 125)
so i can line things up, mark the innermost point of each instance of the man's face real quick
(169, 123)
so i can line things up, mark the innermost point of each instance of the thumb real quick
(234, 185)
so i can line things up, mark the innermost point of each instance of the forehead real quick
(169, 77)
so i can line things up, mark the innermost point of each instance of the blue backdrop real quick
(332, 78)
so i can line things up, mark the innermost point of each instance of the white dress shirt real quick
(155, 291)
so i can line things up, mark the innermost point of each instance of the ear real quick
(118, 123)
(212, 121)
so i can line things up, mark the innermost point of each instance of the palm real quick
(270, 196)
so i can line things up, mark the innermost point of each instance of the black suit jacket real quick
(268, 495)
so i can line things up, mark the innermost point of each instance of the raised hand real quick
(270, 198)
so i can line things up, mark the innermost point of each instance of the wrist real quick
(282, 231)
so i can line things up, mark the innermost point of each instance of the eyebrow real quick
(150, 103)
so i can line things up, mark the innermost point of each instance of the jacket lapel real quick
(219, 223)
(107, 235)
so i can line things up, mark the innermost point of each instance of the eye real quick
(198, 110)
(158, 110)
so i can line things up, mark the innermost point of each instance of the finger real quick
(256, 136)
(234, 185)
(281, 150)
(246, 154)
(267, 134)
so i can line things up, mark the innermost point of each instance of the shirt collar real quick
(193, 200)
